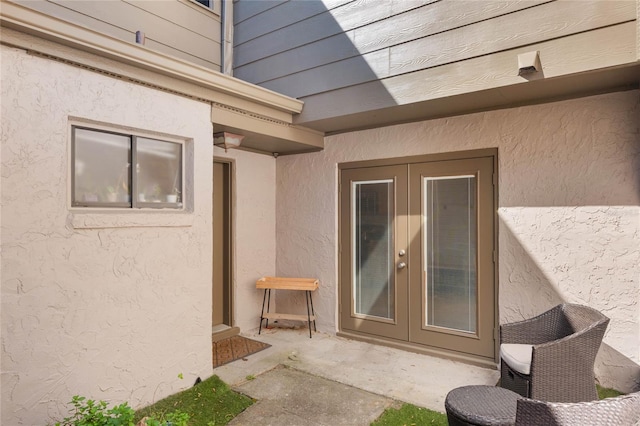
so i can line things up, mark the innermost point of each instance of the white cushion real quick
(517, 356)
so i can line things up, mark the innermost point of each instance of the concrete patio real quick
(395, 375)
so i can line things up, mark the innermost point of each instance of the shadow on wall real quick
(618, 365)
(587, 154)
(569, 219)
(304, 48)
(526, 291)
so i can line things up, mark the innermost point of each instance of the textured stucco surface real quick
(569, 215)
(112, 306)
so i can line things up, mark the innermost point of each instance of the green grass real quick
(209, 403)
(607, 392)
(408, 415)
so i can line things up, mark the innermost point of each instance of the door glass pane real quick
(373, 242)
(450, 252)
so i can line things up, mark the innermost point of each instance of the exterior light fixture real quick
(227, 140)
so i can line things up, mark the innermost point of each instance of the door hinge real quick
(495, 179)
(495, 256)
(496, 333)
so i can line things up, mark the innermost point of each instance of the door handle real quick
(401, 265)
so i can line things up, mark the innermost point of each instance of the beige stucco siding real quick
(111, 306)
(569, 215)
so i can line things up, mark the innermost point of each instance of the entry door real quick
(417, 243)
(221, 292)
(373, 247)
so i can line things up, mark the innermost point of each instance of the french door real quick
(417, 253)
(375, 297)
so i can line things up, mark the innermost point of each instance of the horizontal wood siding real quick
(253, 8)
(308, 52)
(315, 26)
(277, 17)
(579, 53)
(184, 14)
(440, 18)
(396, 30)
(369, 67)
(545, 22)
(178, 28)
(338, 17)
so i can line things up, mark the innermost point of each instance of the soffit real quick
(529, 93)
(265, 135)
(267, 115)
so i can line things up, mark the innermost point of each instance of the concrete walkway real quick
(286, 396)
(332, 380)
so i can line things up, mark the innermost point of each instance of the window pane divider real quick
(133, 172)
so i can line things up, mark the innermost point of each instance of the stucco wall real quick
(112, 306)
(569, 229)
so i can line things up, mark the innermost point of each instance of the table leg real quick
(309, 301)
(313, 312)
(264, 298)
(268, 307)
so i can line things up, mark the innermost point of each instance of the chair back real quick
(579, 317)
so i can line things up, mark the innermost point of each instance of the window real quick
(102, 175)
(213, 6)
(206, 3)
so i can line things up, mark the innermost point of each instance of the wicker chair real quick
(550, 357)
(620, 411)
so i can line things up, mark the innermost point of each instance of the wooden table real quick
(279, 283)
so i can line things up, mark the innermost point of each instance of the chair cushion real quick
(517, 356)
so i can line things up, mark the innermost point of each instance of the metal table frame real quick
(308, 285)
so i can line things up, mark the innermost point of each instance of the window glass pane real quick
(450, 255)
(374, 280)
(205, 2)
(101, 168)
(159, 171)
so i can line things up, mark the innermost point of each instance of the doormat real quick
(234, 348)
